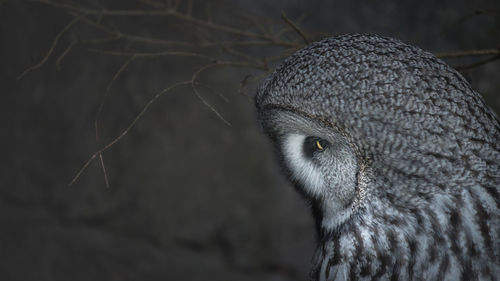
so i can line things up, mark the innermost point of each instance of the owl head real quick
(363, 121)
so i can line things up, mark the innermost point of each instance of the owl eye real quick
(314, 145)
(319, 145)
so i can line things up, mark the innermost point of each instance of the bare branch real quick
(154, 54)
(151, 40)
(214, 60)
(52, 47)
(493, 53)
(127, 129)
(63, 54)
(169, 12)
(101, 105)
(108, 90)
(258, 23)
(469, 53)
(205, 102)
(242, 55)
(476, 64)
(245, 32)
(295, 27)
(219, 93)
(82, 169)
(98, 40)
(191, 82)
(119, 35)
(101, 160)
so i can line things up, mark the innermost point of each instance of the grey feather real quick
(409, 188)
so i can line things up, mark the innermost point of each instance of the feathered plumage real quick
(415, 194)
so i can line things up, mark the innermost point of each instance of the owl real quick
(397, 155)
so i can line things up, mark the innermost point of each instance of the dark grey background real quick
(190, 198)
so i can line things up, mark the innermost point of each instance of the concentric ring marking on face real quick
(302, 168)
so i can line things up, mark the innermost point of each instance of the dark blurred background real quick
(189, 197)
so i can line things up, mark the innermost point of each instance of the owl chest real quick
(351, 257)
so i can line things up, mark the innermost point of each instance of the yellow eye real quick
(319, 146)
(313, 145)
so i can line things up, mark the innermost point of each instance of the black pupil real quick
(311, 146)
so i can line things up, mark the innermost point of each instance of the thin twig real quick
(52, 47)
(468, 53)
(295, 27)
(101, 105)
(101, 160)
(98, 40)
(191, 82)
(64, 53)
(203, 44)
(259, 24)
(118, 35)
(214, 60)
(198, 95)
(108, 90)
(177, 43)
(241, 55)
(126, 131)
(219, 93)
(155, 54)
(476, 64)
(173, 13)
